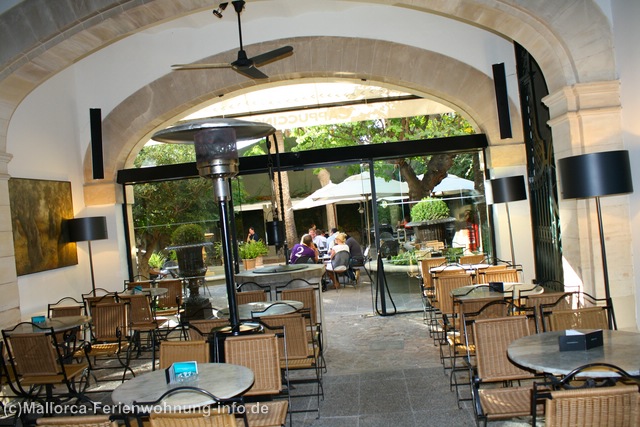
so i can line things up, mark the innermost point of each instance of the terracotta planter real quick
(249, 264)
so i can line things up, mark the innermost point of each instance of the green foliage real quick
(187, 234)
(453, 254)
(157, 260)
(404, 258)
(252, 249)
(429, 209)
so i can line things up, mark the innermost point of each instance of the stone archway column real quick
(586, 118)
(10, 302)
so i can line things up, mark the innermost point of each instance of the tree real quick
(161, 206)
(434, 167)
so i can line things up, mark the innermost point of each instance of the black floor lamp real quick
(594, 175)
(505, 190)
(88, 229)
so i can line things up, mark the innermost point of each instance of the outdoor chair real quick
(192, 419)
(183, 351)
(101, 295)
(338, 267)
(557, 300)
(310, 299)
(493, 368)
(442, 324)
(171, 303)
(261, 354)
(488, 275)
(297, 353)
(578, 310)
(472, 259)
(37, 363)
(246, 297)
(200, 329)
(71, 339)
(109, 338)
(581, 399)
(78, 421)
(142, 321)
(255, 288)
(426, 283)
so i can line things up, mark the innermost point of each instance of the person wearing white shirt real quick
(331, 240)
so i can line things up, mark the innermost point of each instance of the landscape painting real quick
(38, 210)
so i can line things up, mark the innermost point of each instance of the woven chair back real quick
(77, 421)
(602, 406)
(295, 334)
(580, 318)
(144, 284)
(139, 309)
(246, 297)
(502, 275)
(183, 351)
(260, 354)
(492, 337)
(107, 320)
(173, 297)
(559, 301)
(307, 296)
(472, 259)
(192, 419)
(425, 269)
(33, 355)
(444, 285)
(200, 329)
(91, 301)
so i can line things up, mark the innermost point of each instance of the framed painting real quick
(38, 210)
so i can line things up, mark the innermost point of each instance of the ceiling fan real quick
(243, 65)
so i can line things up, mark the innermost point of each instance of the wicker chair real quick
(72, 339)
(101, 295)
(444, 284)
(580, 399)
(183, 351)
(246, 297)
(472, 259)
(296, 353)
(37, 363)
(200, 329)
(192, 419)
(489, 275)
(579, 318)
(260, 354)
(560, 300)
(170, 304)
(109, 338)
(252, 286)
(492, 337)
(142, 321)
(77, 421)
(426, 283)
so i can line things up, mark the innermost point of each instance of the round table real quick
(276, 276)
(268, 308)
(223, 380)
(515, 290)
(59, 324)
(541, 353)
(152, 292)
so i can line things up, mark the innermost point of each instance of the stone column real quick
(585, 118)
(10, 302)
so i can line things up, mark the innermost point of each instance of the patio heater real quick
(505, 190)
(594, 175)
(217, 159)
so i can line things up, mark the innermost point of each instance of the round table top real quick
(312, 273)
(59, 324)
(223, 380)
(268, 308)
(484, 291)
(541, 352)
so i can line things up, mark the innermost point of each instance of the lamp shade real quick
(596, 174)
(87, 229)
(508, 189)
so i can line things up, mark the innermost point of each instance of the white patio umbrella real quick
(453, 184)
(358, 187)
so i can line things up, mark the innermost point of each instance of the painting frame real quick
(39, 209)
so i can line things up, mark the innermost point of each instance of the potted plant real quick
(250, 251)
(433, 217)
(156, 261)
(188, 241)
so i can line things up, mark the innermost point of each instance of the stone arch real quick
(442, 78)
(554, 33)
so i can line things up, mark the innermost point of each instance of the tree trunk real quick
(324, 176)
(437, 168)
(285, 212)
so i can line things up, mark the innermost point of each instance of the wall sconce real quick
(88, 229)
(505, 190)
(595, 175)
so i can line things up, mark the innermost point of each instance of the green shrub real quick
(252, 249)
(187, 234)
(429, 209)
(156, 260)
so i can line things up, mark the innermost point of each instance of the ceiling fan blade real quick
(271, 56)
(200, 66)
(251, 72)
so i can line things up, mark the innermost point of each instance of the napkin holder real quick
(180, 372)
(496, 287)
(38, 319)
(577, 340)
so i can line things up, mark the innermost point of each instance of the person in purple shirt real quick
(304, 251)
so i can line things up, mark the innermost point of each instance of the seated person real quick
(304, 251)
(320, 241)
(339, 246)
(356, 257)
